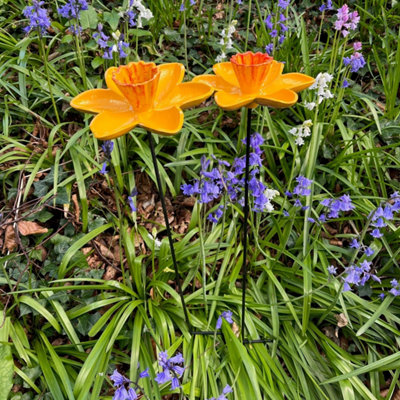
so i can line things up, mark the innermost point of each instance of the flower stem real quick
(245, 218)
(79, 56)
(171, 243)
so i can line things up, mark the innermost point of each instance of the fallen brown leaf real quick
(110, 274)
(30, 228)
(74, 198)
(396, 394)
(104, 250)
(341, 319)
(9, 241)
(235, 329)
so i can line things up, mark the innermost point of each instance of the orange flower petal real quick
(217, 83)
(296, 81)
(273, 74)
(110, 82)
(98, 100)
(188, 94)
(229, 101)
(111, 124)
(170, 75)
(280, 99)
(226, 72)
(165, 122)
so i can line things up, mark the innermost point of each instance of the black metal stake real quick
(246, 216)
(171, 243)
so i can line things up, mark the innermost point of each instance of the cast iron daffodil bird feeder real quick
(247, 80)
(150, 96)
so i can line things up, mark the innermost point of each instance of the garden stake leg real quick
(171, 243)
(245, 217)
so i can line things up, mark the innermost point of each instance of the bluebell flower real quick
(131, 200)
(358, 275)
(175, 383)
(121, 394)
(131, 15)
(122, 47)
(312, 220)
(101, 38)
(337, 205)
(132, 395)
(322, 218)
(354, 244)
(214, 218)
(395, 291)
(268, 22)
(356, 61)
(217, 181)
(118, 379)
(297, 203)
(388, 212)
(273, 33)
(171, 370)
(281, 39)
(345, 83)
(108, 53)
(285, 213)
(107, 146)
(379, 223)
(366, 265)
(75, 29)
(368, 252)
(327, 6)
(376, 233)
(190, 190)
(269, 48)
(144, 374)
(382, 296)
(303, 186)
(103, 170)
(227, 316)
(227, 389)
(332, 270)
(283, 4)
(38, 18)
(72, 8)
(182, 7)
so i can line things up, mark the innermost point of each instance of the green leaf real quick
(97, 61)
(140, 32)
(6, 362)
(88, 18)
(112, 18)
(377, 365)
(77, 245)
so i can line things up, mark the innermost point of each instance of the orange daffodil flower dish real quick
(250, 78)
(142, 94)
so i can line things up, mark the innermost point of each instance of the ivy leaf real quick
(88, 18)
(112, 18)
